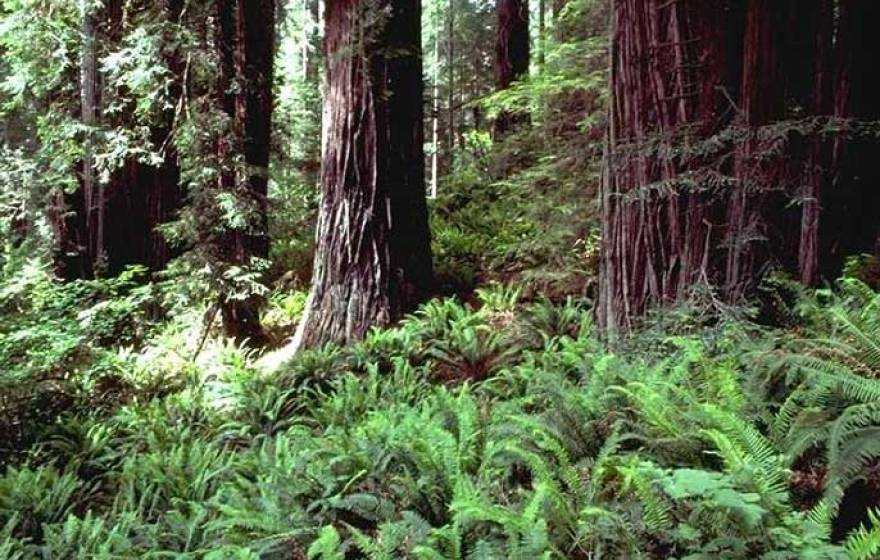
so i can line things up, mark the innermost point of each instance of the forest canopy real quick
(528, 279)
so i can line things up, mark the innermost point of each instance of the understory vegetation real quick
(157, 399)
(502, 428)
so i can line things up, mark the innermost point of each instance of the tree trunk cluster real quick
(734, 147)
(105, 226)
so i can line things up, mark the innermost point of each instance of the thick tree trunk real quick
(511, 55)
(672, 63)
(785, 76)
(678, 210)
(851, 209)
(141, 196)
(246, 43)
(815, 173)
(373, 260)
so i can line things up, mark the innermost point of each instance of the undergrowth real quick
(501, 429)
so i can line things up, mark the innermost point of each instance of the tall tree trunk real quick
(246, 36)
(556, 7)
(93, 194)
(142, 196)
(678, 210)
(435, 112)
(783, 78)
(852, 205)
(511, 54)
(672, 63)
(373, 260)
(542, 12)
(103, 228)
(450, 78)
(815, 173)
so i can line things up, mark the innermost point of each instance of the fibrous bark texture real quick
(511, 54)
(246, 45)
(673, 63)
(720, 163)
(373, 260)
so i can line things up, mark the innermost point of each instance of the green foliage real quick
(865, 542)
(830, 412)
(60, 345)
(556, 447)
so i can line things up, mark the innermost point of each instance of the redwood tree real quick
(373, 260)
(720, 165)
(105, 226)
(671, 64)
(851, 206)
(511, 53)
(246, 48)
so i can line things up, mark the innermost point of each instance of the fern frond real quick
(864, 543)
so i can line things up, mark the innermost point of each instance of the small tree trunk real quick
(542, 8)
(435, 113)
(373, 260)
(246, 46)
(450, 73)
(511, 55)
(93, 194)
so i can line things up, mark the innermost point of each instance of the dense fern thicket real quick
(499, 429)
(495, 422)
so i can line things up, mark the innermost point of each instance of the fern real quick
(864, 543)
(642, 478)
(327, 545)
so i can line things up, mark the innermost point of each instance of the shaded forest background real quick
(441, 279)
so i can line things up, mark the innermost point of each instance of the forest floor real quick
(501, 429)
(497, 424)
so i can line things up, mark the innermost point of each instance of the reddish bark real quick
(672, 64)
(726, 214)
(851, 207)
(785, 76)
(373, 260)
(103, 229)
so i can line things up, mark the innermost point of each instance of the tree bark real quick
(714, 141)
(142, 196)
(785, 76)
(851, 208)
(246, 45)
(672, 63)
(435, 112)
(103, 228)
(373, 260)
(542, 12)
(450, 77)
(93, 194)
(511, 55)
